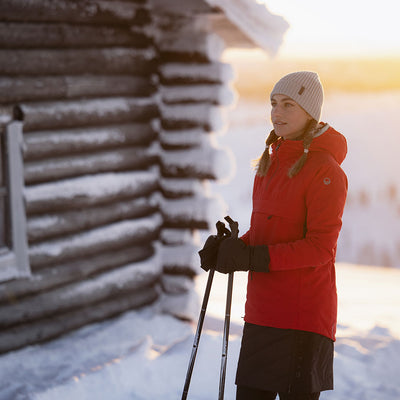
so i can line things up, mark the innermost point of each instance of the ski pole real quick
(198, 333)
(225, 342)
(221, 231)
(233, 225)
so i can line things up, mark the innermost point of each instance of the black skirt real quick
(285, 360)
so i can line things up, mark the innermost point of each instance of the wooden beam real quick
(184, 116)
(42, 144)
(54, 225)
(126, 279)
(24, 88)
(192, 212)
(59, 324)
(88, 191)
(69, 114)
(78, 11)
(90, 242)
(189, 73)
(203, 162)
(28, 35)
(65, 273)
(104, 61)
(82, 164)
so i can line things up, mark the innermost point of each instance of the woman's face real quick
(287, 117)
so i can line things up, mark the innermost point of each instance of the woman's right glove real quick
(235, 255)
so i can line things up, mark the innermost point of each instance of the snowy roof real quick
(256, 26)
(241, 23)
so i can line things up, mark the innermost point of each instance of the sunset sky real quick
(339, 28)
(353, 44)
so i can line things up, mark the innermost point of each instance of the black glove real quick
(235, 255)
(208, 254)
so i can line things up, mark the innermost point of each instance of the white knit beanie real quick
(305, 88)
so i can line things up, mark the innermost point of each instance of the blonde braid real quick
(311, 129)
(262, 163)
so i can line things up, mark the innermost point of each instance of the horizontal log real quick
(181, 260)
(65, 273)
(82, 11)
(186, 73)
(213, 94)
(112, 236)
(171, 236)
(180, 187)
(181, 139)
(87, 191)
(25, 34)
(110, 161)
(59, 324)
(204, 162)
(125, 279)
(23, 89)
(69, 114)
(54, 225)
(41, 144)
(176, 284)
(186, 116)
(103, 61)
(190, 46)
(192, 212)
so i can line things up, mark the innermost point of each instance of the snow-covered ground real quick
(144, 354)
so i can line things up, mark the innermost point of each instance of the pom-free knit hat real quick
(305, 88)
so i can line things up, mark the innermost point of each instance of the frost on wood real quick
(89, 190)
(181, 138)
(176, 284)
(199, 212)
(106, 237)
(55, 224)
(129, 158)
(181, 259)
(204, 162)
(206, 47)
(171, 236)
(196, 73)
(67, 141)
(215, 94)
(180, 187)
(64, 114)
(129, 277)
(192, 115)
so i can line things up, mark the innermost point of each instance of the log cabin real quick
(107, 115)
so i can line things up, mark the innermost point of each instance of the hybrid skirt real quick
(285, 360)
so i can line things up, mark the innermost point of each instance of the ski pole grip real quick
(233, 225)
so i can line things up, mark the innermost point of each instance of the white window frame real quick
(14, 261)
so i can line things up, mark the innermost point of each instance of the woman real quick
(298, 199)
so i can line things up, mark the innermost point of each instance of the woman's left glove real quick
(235, 255)
(208, 254)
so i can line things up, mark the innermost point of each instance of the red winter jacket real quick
(299, 219)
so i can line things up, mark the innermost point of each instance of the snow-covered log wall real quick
(119, 102)
(194, 88)
(81, 77)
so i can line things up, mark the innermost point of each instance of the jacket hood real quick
(330, 141)
(327, 140)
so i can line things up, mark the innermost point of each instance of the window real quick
(14, 261)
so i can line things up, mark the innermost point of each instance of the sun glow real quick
(339, 29)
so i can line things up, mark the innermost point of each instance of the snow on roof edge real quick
(253, 18)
